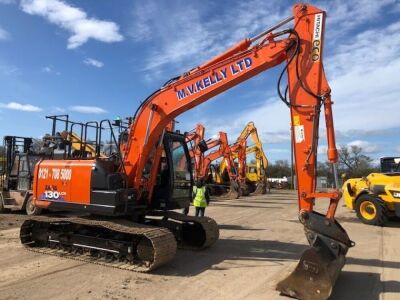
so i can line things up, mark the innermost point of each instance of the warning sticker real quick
(299, 134)
(296, 120)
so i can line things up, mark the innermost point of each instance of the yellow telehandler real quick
(376, 197)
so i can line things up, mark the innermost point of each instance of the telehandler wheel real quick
(30, 209)
(371, 210)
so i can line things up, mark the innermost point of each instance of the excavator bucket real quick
(234, 190)
(244, 189)
(261, 188)
(319, 267)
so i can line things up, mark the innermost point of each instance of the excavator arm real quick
(222, 151)
(260, 186)
(251, 130)
(198, 147)
(240, 149)
(308, 93)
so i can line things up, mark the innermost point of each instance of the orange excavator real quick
(223, 151)
(238, 150)
(203, 164)
(252, 177)
(131, 194)
(195, 138)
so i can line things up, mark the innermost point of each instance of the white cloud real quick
(58, 109)
(4, 35)
(342, 19)
(175, 45)
(367, 147)
(21, 107)
(365, 85)
(365, 80)
(74, 20)
(181, 46)
(93, 62)
(50, 70)
(322, 149)
(270, 117)
(87, 109)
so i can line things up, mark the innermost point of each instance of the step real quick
(9, 202)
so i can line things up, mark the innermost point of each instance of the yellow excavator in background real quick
(256, 172)
(76, 143)
(256, 178)
(376, 197)
(67, 140)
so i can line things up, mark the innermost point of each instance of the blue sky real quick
(98, 59)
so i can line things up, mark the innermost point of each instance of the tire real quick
(30, 209)
(371, 210)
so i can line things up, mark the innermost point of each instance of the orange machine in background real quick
(252, 176)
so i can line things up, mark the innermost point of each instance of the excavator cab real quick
(175, 179)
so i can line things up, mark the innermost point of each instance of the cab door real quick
(174, 188)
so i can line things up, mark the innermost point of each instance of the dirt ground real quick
(260, 238)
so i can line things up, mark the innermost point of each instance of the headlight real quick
(395, 194)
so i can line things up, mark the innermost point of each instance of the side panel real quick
(67, 181)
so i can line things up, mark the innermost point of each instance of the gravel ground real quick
(260, 240)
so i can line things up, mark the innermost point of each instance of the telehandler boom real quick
(145, 183)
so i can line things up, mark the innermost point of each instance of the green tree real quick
(279, 169)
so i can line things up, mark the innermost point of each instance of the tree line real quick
(353, 162)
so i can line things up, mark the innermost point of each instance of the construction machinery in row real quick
(223, 172)
(252, 175)
(256, 173)
(131, 194)
(232, 177)
(219, 148)
(375, 197)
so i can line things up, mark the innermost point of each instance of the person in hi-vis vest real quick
(200, 198)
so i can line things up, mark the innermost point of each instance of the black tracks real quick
(149, 247)
(158, 246)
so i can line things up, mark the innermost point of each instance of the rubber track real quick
(209, 226)
(163, 241)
